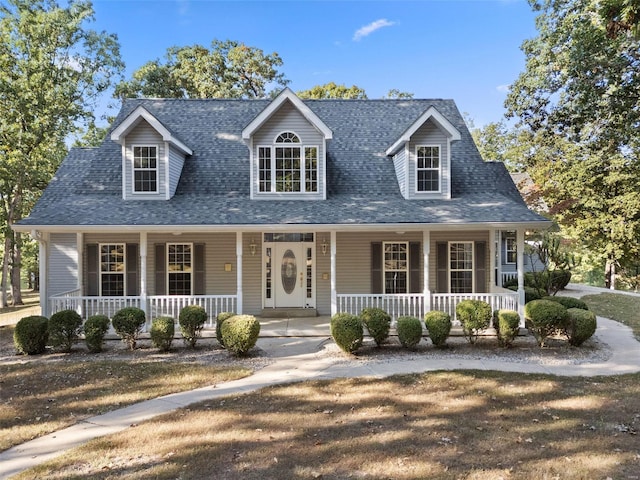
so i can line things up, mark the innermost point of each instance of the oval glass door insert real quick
(289, 271)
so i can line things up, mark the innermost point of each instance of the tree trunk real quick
(16, 287)
(5, 271)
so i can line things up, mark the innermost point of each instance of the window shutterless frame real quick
(144, 169)
(511, 250)
(428, 169)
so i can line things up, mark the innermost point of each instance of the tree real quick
(228, 69)
(621, 16)
(395, 93)
(331, 90)
(579, 97)
(52, 70)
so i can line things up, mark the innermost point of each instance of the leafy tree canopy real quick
(228, 69)
(579, 99)
(331, 90)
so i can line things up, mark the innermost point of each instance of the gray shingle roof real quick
(214, 187)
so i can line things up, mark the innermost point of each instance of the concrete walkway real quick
(296, 361)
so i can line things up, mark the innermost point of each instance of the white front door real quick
(290, 274)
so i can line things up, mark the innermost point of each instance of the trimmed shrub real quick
(219, 321)
(568, 302)
(378, 323)
(162, 331)
(240, 333)
(530, 293)
(582, 325)
(31, 335)
(191, 322)
(409, 331)
(544, 318)
(347, 331)
(507, 324)
(439, 326)
(128, 323)
(95, 328)
(474, 316)
(65, 328)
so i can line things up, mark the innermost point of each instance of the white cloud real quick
(503, 88)
(372, 27)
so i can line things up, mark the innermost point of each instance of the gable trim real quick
(133, 119)
(286, 95)
(430, 114)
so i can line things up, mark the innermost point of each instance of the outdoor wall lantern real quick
(325, 245)
(253, 246)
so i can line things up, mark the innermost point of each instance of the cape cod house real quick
(305, 205)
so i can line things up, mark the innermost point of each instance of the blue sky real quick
(467, 50)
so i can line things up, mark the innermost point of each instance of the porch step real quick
(288, 312)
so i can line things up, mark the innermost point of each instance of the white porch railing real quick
(397, 305)
(156, 306)
(170, 305)
(414, 304)
(506, 276)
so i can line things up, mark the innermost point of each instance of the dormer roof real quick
(120, 133)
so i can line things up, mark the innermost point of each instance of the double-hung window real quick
(396, 267)
(145, 169)
(461, 267)
(511, 249)
(179, 268)
(288, 166)
(428, 168)
(112, 269)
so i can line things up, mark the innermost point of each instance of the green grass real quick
(621, 308)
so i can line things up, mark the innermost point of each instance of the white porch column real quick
(426, 250)
(334, 293)
(43, 262)
(520, 264)
(499, 259)
(80, 253)
(493, 259)
(143, 271)
(239, 272)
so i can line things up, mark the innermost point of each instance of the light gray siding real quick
(289, 119)
(144, 134)
(176, 162)
(400, 165)
(63, 263)
(429, 134)
(251, 274)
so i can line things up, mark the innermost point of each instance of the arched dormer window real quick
(288, 166)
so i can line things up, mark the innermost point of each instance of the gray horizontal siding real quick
(144, 134)
(63, 263)
(429, 134)
(400, 166)
(176, 162)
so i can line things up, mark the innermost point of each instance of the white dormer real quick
(422, 157)
(287, 143)
(152, 157)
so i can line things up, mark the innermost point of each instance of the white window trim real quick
(133, 169)
(191, 273)
(124, 261)
(473, 264)
(303, 169)
(439, 169)
(384, 268)
(507, 250)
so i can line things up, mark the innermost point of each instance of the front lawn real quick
(621, 308)
(442, 425)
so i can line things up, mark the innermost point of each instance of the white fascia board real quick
(431, 114)
(286, 94)
(140, 113)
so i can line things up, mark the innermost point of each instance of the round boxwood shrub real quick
(162, 331)
(507, 324)
(95, 328)
(240, 333)
(347, 331)
(191, 320)
(219, 321)
(530, 293)
(568, 302)
(378, 323)
(65, 328)
(438, 326)
(128, 323)
(31, 334)
(544, 318)
(582, 325)
(474, 316)
(409, 331)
